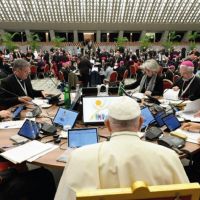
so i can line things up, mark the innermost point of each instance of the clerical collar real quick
(124, 133)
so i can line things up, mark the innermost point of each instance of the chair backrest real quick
(46, 68)
(33, 69)
(140, 190)
(113, 76)
(133, 70)
(167, 84)
(125, 75)
(175, 78)
(61, 76)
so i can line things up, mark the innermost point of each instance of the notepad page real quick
(25, 151)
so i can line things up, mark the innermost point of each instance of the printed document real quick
(26, 151)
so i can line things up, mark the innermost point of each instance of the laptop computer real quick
(81, 137)
(171, 122)
(30, 130)
(65, 117)
(148, 117)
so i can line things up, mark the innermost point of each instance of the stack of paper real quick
(26, 151)
(171, 94)
(190, 109)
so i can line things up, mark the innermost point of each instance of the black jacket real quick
(157, 91)
(11, 84)
(193, 92)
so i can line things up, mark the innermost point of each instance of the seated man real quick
(188, 84)
(122, 160)
(17, 88)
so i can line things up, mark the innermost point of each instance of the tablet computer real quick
(171, 122)
(30, 130)
(81, 137)
(159, 118)
(147, 116)
(16, 113)
(65, 117)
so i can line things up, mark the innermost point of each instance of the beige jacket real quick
(118, 163)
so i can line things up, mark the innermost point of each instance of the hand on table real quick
(191, 126)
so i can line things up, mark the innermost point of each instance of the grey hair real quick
(20, 64)
(151, 65)
(188, 69)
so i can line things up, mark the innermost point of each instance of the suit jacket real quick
(118, 163)
(11, 84)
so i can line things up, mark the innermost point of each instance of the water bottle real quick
(120, 91)
(67, 99)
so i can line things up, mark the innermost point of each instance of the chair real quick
(45, 72)
(140, 190)
(125, 75)
(133, 71)
(175, 78)
(167, 84)
(113, 79)
(33, 71)
(61, 76)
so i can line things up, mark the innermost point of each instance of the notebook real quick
(148, 117)
(30, 130)
(81, 137)
(171, 122)
(65, 117)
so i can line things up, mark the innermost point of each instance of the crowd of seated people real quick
(106, 61)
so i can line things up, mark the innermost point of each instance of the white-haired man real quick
(188, 84)
(123, 159)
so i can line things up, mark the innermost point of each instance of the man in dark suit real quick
(84, 67)
(17, 88)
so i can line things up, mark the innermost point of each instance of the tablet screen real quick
(159, 118)
(171, 122)
(148, 117)
(82, 137)
(65, 117)
(30, 130)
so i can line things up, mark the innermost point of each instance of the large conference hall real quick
(99, 99)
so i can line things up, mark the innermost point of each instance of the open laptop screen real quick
(65, 117)
(148, 117)
(95, 109)
(82, 137)
(30, 129)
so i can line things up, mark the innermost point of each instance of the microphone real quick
(127, 94)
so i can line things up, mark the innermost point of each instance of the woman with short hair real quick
(151, 82)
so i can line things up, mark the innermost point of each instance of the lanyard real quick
(23, 87)
(185, 90)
